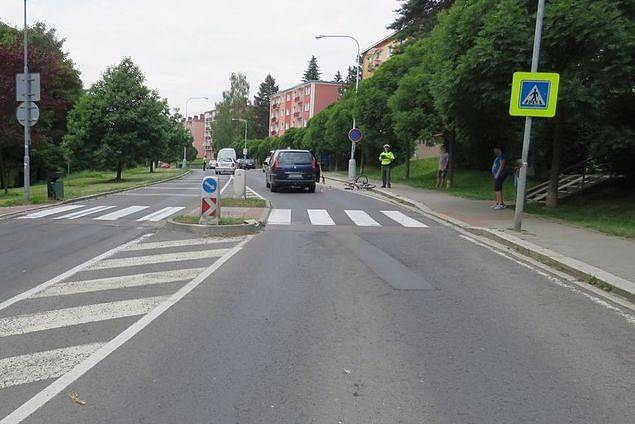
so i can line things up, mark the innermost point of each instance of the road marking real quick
(161, 214)
(320, 217)
(40, 321)
(136, 194)
(403, 219)
(158, 259)
(40, 366)
(279, 217)
(56, 387)
(630, 318)
(188, 187)
(227, 184)
(51, 211)
(125, 281)
(184, 243)
(79, 214)
(255, 193)
(121, 213)
(70, 272)
(362, 219)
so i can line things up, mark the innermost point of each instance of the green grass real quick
(89, 182)
(224, 220)
(242, 203)
(609, 209)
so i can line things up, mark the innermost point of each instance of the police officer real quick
(385, 159)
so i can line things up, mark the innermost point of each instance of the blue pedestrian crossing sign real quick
(534, 94)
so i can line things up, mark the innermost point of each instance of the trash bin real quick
(57, 188)
(54, 188)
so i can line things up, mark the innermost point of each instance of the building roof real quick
(305, 83)
(388, 37)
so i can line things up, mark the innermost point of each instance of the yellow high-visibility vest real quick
(386, 158)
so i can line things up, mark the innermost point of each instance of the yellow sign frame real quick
(516, 108)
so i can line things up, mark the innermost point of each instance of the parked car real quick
(212, 164)
(292, 168)
(240, 163)
(225, 166)
(249, 164)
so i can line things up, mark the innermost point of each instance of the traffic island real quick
(242, 218)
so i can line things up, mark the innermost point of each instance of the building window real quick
(286, 127)
(287, 112)
(288, 97)
(308, 91)
(306, 107)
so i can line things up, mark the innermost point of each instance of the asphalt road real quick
(346, 309)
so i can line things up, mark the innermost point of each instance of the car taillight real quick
(313, 163)
(276, 164)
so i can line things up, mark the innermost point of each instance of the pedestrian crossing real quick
(135, 280)
(138, 213)
(360, 218)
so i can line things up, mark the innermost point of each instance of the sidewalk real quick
(610, 254)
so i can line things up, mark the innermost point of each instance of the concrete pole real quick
(522, 178)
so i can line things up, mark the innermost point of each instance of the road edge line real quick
(53, 389)
(70, 272)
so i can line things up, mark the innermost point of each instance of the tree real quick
(235, 104)
(338, 77)
(114, 124)
(60, 88)
(260, 127)
(312, 72)
(415, 18)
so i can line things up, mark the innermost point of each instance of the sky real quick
(190, 48)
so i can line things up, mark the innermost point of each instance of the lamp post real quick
(186, 103)
(245, 148)
(351, 162)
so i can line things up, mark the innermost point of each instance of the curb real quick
(92, 196)
(250, 226)
(577, 269)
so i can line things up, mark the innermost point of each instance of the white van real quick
(227, 153)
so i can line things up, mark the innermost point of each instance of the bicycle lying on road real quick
(360, 183)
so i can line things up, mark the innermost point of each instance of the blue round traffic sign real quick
(209, 185)
(355, 135)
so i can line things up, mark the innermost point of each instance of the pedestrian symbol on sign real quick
(534, 94)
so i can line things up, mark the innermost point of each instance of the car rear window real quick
(295, 158)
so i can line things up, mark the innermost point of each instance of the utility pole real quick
(27, 127)
(245, 148)
(522, 178)
(351, 163)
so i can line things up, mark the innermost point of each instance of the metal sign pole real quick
(522, 177)
(27, 127)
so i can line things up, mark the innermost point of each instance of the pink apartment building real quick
(200, 126)
(293, 107)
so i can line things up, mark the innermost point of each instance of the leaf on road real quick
(75, 398)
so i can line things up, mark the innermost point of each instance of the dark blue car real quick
(292, 168)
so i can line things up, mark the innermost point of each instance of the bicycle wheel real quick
(362, 180)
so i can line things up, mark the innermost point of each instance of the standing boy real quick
(499, 171)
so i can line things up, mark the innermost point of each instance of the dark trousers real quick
(385, 176)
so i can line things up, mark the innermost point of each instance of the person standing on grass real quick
(444, 164)
(386, 158)
(499, 171)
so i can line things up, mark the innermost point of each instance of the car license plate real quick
(294, 176)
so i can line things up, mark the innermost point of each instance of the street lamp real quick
(245, 148)
(351, 162)
(186, 103)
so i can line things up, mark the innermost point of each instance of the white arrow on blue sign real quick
(210, 185)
